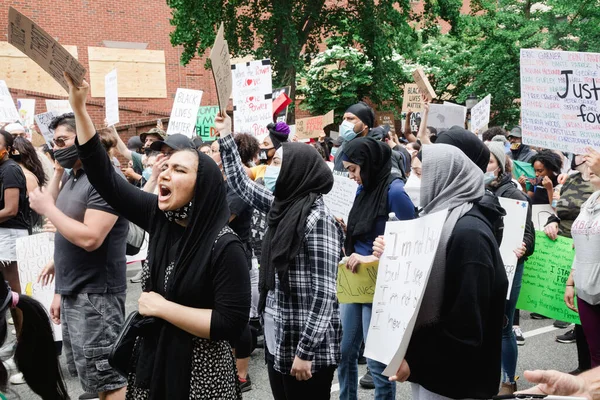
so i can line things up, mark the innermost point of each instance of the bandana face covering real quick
(179, 214)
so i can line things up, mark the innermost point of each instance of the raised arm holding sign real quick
(423, 83)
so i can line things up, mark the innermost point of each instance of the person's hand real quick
(520, 251)
(295, 139)
(159, 163)
(48, 226)
(592, 159)
(402, 374)
(301, 369)
(342, 223)
(150, 304)
(556, 196)
(223, 125)
(130, 174)
(562, 178)
(378, 246)
(55, 309)
(556, 383)
(41, 201)
(523, 182)
(570, 298)
(58, 169)
(551, 230)
(354, 261)
(547, 183)
(322, 137)
(46, 277)
(77, 94)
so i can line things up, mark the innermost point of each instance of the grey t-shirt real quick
(77, 270)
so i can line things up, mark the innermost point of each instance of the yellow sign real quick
(357, 287)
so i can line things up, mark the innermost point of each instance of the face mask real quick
(515, 146)
(147, 151)
(66, 157)
(489, 177)
(507, 147)
(334, 151)
(16, 157)
(347, 131)
(147, 173)
(574, 164)
(263, 155)
(3, 152)
(271, 175)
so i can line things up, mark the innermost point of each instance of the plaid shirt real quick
(307, 320)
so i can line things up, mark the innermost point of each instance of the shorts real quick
(90, 325)
(8, 243)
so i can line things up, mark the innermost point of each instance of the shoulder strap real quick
(226, 236)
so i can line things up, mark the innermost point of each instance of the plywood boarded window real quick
(140, 73)
(20, 72)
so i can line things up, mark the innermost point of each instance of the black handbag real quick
(135, 326)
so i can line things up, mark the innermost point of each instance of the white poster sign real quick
(185, 112)
(43, 121)
(445, 116)
(512, 237)
(111, 98)
(480, 113)
(252, 97)
(341, 198)
(402, 278)
(26, 108)
(540, 214)
(8, 110)
(559, 99)
(33, 253)
(59, 106)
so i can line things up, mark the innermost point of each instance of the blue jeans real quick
(355, 326)
(510, 350)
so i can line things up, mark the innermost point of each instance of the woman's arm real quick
(422, 134)
(11, 204)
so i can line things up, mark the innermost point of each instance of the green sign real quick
(545, 276)
(205, 123)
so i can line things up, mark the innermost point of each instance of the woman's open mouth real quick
(163, 193)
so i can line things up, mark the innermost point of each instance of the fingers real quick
(69, 80)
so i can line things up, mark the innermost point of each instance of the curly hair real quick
(549, 159)
(30, 159)
(488, 135)
(248, 147)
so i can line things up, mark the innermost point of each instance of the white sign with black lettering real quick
(185, 112)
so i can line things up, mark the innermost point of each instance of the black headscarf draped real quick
(166, 357)
(375, 161)
(279, 133)
(469, 143)
(304, 176)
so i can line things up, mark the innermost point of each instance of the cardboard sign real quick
(252, 97)
(480, 114)
(312, 127)
(43, 121)
(559, 100)
(341, 197)
(8, 110)
(423, 84)
(280, 114)
(220, 61)
(386, 118)
(205, 123)
(540, 214)
(111, 98)
(59, 107)
(185, 112)
(512, 236)
(26, 109)
(38, 45)
(403, 274)
(545, 276)
(357, 287)
(445, 116)
(412, 100)
(33, 253)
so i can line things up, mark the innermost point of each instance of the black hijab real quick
(304, 176)
(166, 356)
(375, 161)
(469, 143)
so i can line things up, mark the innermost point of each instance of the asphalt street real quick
(540, 351)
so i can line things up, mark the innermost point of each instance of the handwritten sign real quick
(545, 276)
(445, 116)
(220, 61)
(312, 127)
(26, 109)
(252, 97)
(8, 110)
(512, 236)
(341, 197)
(357, 287)
(43, 122)
(559, 96)
(386, 118)
(33, 253)
(38, 45)
(59, 107)
(480, 113)
(423, 84)
(205, 123)
(402, 278)
(412, 100)
(185, 112)
(540, 214)
(111, 98)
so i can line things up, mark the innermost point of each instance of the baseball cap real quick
(175, 142)
(154, 131)
(515, 132)
(134, 143)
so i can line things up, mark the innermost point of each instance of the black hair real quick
(8, 140)
(432, 130)
(30, 159)
(205, 144)
(248, 147)
(67, 120)
(320, 151)
(549, 159)
(48, 150)
(433, 137)
(491, 133)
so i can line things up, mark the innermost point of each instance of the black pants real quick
(583, 351)
(286, 387)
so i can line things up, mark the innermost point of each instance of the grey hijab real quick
(450, 180)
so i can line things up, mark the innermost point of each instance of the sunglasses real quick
(61, 142)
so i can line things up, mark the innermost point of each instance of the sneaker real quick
(561, 324)
(519, 335)
(568, 337)
(137, 278)
(366, 382)
(10, 365)
(17, 379)
(507, 389)
(89, 396)
(537, 316)
(8, 350)
(245, 384)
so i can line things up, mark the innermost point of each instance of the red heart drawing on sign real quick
(251, 98)
(248, 82)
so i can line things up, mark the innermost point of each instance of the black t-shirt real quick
(12, 176)
(243, 216)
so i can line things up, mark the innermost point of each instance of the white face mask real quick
(489, 177)
(347, 131)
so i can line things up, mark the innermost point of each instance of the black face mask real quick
(16, 157)
(574, 164)
(147, 151)
(263, 155)
(67, 157)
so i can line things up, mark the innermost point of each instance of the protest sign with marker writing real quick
(412, 100)
(357, 287)
(59, 106)
(221, 67)
(26, 108)
(445, 116)
(423, 83)
(480, 113)
(185, 112)
(341, 197)
(205, 123)
(312, 127)
(111, 98)
(43, 122)
(8, 110)
(252, 97)
(512, 235)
